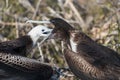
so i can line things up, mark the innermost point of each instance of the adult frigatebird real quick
(87, 59)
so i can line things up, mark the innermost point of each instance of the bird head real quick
(61, 30)
(39, 31)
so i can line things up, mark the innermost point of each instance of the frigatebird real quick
(87, 59)
(13, 64)
(24, 44)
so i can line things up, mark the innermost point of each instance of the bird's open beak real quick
(38, 22)
(49, 33)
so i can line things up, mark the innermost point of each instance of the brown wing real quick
(22, 63)
(18, 46)
(80, 65)
(102, 55)
(25, 65)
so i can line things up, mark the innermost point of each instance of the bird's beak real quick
(49, 33)
(51, 36)
(38, 22)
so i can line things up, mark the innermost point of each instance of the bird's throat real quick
(73, 45)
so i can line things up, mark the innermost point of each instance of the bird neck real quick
(34, 37)
(73, 45)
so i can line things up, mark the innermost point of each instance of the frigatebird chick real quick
(87, 59)
(16, 67)
(24, 44)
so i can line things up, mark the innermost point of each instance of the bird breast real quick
(73, 45)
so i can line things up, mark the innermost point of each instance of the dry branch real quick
(14, 24)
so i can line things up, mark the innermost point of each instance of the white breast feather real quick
(73, 46)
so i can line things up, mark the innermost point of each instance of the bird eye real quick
(43, 30)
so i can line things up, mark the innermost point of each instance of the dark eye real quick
(43, 30)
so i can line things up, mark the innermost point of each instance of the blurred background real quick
(100, 19)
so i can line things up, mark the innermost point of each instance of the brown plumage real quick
(19, 46)
(15, 67)
(87, 59)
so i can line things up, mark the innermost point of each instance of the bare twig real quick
(14, 24)
(80, 19)
(7, 2)
(41, 53)
(17, 30)
(26, 4)
(53, 12)
(36, 10)
(54, 43)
